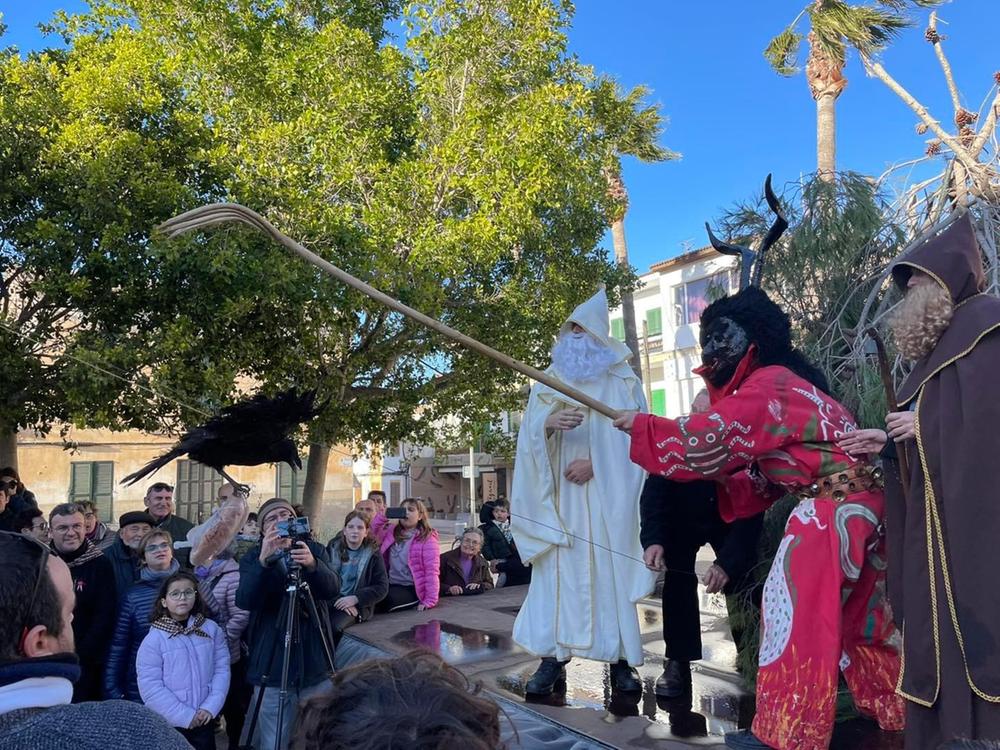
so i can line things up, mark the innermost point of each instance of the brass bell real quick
(842, 478)
(876, 474)
(814, 489)
(839, 495)
(827, 484)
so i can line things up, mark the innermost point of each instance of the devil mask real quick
(724, 343)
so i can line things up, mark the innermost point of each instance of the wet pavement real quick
(474, 635)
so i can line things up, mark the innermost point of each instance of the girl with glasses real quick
(183, 662)
(156, 556)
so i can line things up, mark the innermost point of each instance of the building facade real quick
(668, 306)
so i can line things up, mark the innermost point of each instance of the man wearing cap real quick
(263, 577)
(132, 527)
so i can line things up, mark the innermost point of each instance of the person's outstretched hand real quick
(624, 421)
(860, 442)
(653, 557)
(715, 579)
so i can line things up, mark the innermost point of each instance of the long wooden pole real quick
(221, 213)
(890, 396)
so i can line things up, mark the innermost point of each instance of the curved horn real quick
(773, 234)
(745, 254)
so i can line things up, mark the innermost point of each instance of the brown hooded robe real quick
(944, 542)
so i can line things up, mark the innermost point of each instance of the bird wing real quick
(176, 452)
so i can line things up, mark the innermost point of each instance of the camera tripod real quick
(297, 593)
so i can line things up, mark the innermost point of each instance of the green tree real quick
(97, 145)
(835, 26)
(629, 128)
(462, 173)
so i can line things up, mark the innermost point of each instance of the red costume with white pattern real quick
(768, 432)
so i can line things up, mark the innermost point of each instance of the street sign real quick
(469, 471)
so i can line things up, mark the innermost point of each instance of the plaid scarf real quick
(505, 528)
(85, 553)
(170, 626)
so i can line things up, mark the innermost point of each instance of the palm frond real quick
(866, 28)
(782, 52)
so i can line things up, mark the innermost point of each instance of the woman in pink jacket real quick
(183, 663)
(412, 556)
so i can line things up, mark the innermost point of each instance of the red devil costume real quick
(772, 430)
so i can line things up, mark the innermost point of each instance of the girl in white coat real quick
(183, 663)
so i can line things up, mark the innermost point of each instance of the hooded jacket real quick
(948, 524)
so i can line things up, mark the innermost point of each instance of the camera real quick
(296, 529)
(396, 513)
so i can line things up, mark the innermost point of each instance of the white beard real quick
(580, 358)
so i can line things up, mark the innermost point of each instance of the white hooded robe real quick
(582, 540)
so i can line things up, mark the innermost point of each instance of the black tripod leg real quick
(323, 635)
(263, 686)
(291, 620)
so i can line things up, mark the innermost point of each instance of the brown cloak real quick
(944, 543)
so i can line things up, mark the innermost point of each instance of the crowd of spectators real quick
(123, 629)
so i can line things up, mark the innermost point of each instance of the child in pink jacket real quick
(412, 557)
(183, 662)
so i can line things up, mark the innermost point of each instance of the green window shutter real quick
(654, 321)
(291, 482)
(80, 481)
(104, 485)
(658, 405)
(618, 329)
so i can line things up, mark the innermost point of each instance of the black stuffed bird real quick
(248, 433)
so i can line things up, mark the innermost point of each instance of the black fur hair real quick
(767, 326)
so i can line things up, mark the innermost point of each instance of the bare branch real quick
(961, 153)
(988, 127)
(945, 65)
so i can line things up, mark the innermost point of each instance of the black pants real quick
(234, 710)
(518, 574)
(690, 519)
(398, 598)
(200, 738)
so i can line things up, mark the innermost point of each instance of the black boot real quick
(624, 678)
(675, 681)
(545, 679)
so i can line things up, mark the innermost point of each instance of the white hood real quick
(594, 318)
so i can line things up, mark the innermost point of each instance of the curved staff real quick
(221, 213)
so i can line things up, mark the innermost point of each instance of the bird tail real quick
(153, 465)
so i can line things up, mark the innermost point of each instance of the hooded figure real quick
(575, 510)
(943, 539)
(772, 429)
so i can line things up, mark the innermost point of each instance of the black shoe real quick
(745, 740)
(625, 679)
(544, 680)
(675, 682)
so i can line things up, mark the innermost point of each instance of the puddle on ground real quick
(717, 705)
(458, 644)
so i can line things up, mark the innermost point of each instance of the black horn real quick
(745, 254)
(773, 234)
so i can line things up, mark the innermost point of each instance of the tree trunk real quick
(312, 493)
(826, 80)
(826, 137)
(8, 448)
(628, 305)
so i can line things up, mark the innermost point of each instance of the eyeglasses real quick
(43, 561)
(11, 485)
(157, 547)
(185, 594)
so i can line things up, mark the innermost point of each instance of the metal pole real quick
(472, 485)
(645, 366)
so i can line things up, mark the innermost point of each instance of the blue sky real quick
(730, 116)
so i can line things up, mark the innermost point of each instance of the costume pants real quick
(824, 611)
(691, 520)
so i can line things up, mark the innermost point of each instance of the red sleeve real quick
(743, 496)
(728, 437)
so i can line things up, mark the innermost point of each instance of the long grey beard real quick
(920, 319)
(581, 359)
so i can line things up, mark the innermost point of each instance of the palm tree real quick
(629, 128)
(835, 25)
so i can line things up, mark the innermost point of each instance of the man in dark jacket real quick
(121, 553)
(263, 577)
(159, 501)
(21, 498)
(677, 519)
(96, 603)
(38, 667)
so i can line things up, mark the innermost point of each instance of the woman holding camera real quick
(364, 581)
(412, 556)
